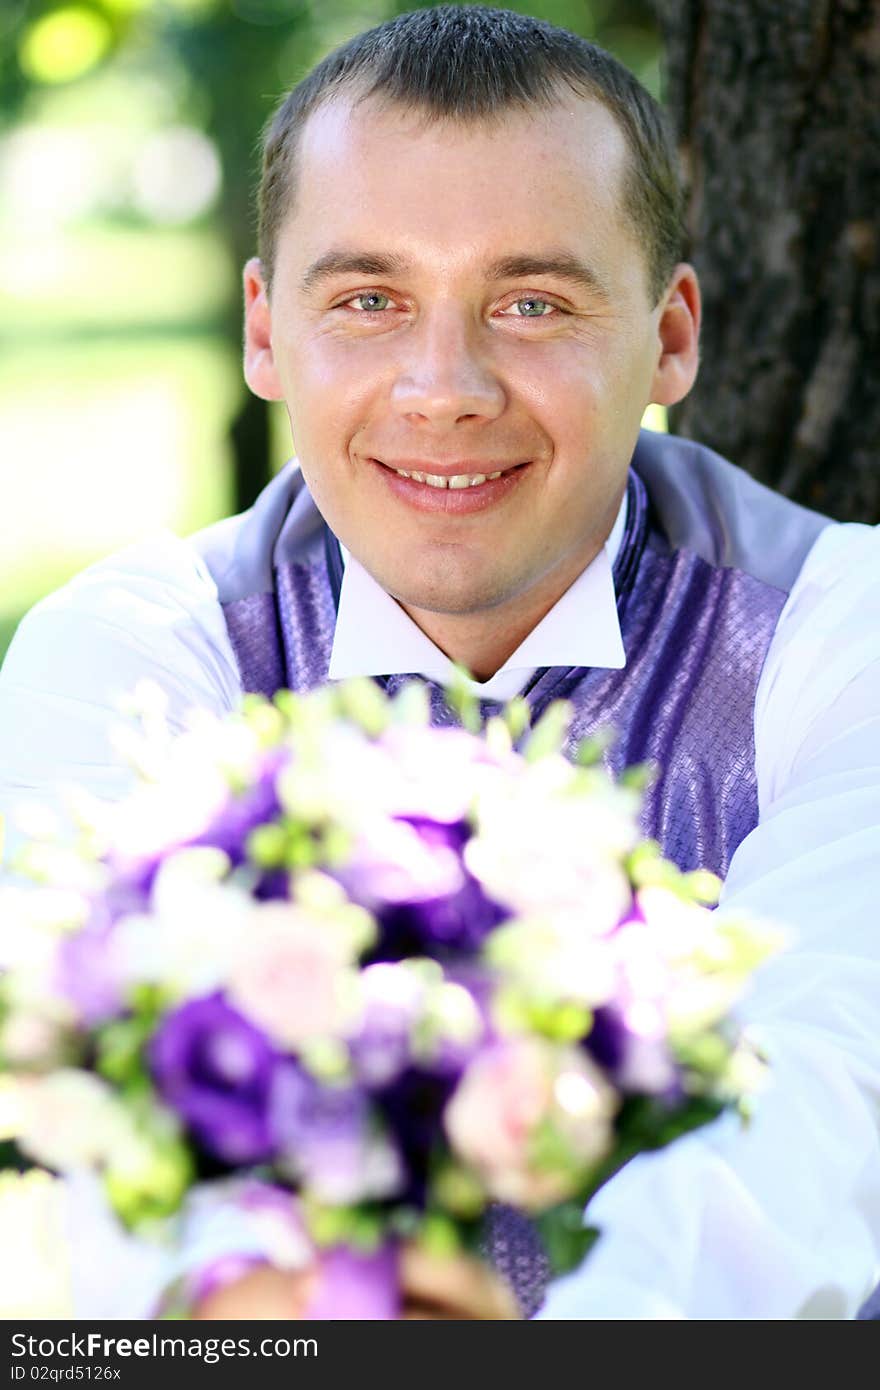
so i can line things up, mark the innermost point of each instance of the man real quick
(468, 292)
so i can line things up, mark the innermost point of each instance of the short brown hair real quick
(469, 62)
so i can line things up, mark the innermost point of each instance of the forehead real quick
(528, 177)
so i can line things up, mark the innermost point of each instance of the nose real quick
(445, 376)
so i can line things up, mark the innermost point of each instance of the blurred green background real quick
(128, 159)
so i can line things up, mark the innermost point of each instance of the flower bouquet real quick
(330, 982)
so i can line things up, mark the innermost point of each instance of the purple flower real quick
(272, 886)
(328, 1139)
(393, 862)
(304, 1112)
(633, 1062)
(413, 1106)
(356, 1285)
(258, 805)
(393, 1000)
(227, 830)
(215, 1070)
(459, 922)
(88, 973)
(420, 891)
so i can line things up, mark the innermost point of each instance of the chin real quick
(455, 598)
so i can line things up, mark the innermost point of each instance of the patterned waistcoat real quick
(704, 568)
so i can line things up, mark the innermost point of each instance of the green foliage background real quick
(128, 153)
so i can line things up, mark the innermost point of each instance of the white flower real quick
(451, 1015)
(684, 958)
(337, 1176)
(30, 1038)
(336, 775)
(438, 773)
(538, 872)
(68, 1119)
(391, 862)
(196, 930)
(33, 923)
(33, 919)
(113, 1273)
(241, 1216)
(35, 1268)
(186, 781)
(556, 959)
(543, 845)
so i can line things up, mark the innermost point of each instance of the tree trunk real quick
(777, 111)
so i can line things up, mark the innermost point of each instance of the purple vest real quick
(704, 568)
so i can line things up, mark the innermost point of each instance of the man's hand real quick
(433, 1286)
(459, 1286)
(262, 1294)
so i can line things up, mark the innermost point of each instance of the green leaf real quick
(566, 1240)
(439, 1235)
(412, 704)
(463, 703)
(458, 1192)
(708, 1054)
(517, 715)
(266, 846)
(328, 1225)
(548, 735)
(148, 1181)
(287, 701)
(120, 1044)
(590, 751)
(704, 887)
(364, 702)
(404, 1222)
(639, 777)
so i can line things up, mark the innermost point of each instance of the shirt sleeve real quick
(782, 1219)
(149, 612)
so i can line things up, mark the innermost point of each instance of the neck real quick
(483, 641)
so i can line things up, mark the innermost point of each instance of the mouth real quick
(461, 489)
(451, 480)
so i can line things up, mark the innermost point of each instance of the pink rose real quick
(293, 980)
(508, 1096)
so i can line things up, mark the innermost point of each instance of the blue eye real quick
(534, 308)
(369, 308)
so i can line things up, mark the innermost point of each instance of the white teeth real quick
(458, 480)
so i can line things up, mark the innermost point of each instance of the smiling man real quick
(469, 289)
(462, 321)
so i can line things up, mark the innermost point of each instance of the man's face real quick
(421, 318)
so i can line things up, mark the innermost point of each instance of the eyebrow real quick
(560, 265)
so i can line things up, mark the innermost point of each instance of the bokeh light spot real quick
(656, 417)
(65, 44)
(176, 176)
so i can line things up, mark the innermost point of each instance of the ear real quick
(260, 371)
(678, 334)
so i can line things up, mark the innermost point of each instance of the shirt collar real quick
(375, 637)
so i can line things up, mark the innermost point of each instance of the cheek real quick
(328, 381)
(558, 379)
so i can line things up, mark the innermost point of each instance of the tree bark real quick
(777, 113)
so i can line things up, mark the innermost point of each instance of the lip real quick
(448, 470)
(450, 501)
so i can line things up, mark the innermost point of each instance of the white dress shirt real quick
(375, 637)
(781, 1220)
